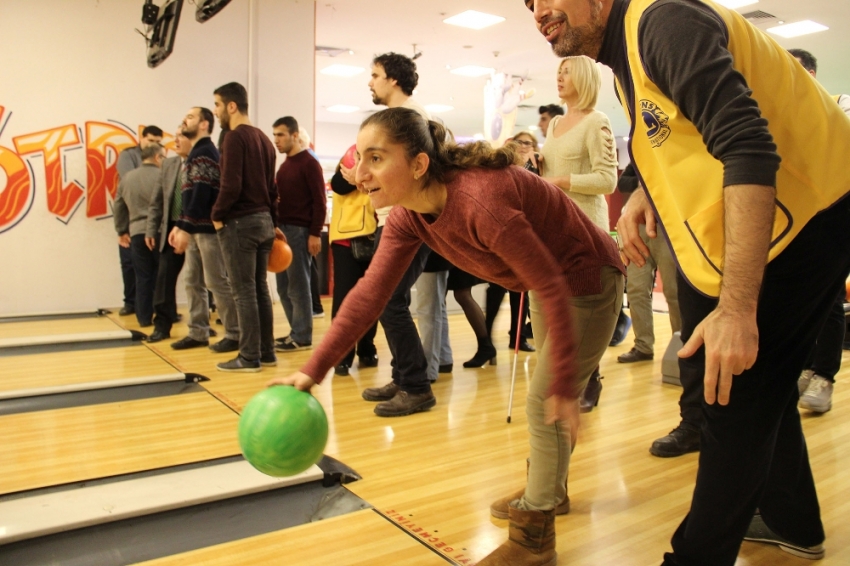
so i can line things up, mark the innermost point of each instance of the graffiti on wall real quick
(36, 170)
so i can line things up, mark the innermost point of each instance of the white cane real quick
(520, 323)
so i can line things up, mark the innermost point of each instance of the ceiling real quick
(371, 27)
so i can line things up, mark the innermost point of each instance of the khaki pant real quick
(594, 318)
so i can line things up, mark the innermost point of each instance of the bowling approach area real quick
(119, 452)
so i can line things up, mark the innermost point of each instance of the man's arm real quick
(316, 182)
(232, 156)
(120, 213)
(155, 210)
(126, 163)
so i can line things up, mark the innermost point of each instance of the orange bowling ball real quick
(281, 256)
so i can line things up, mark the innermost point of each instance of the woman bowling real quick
(504, 224)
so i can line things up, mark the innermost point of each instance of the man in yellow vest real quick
(751, 197)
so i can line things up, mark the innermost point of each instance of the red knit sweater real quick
(507, 226)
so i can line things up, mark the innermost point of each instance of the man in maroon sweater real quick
(301, 215)
(244, 218)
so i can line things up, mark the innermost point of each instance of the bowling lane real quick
(51, 327)
(78, 370)
(363, 538)
(47, 448)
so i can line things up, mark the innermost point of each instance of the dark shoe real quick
(187, 343)
(384, 393)
(268, 360)
(524, 346)
(404, 403)
(368, 361)
(178, 318)
(290, 345)
(279, 341)
(624, 323)
(342, 369)
(213, 333)
(218, 321)
(127, 310)
(760, 532)
(634, 355)
(158, 336)
(225, 345)
(590, 396)
(240, 364)
(531, 540)
(145, 323)
(486, 353)
(445, 368)
(681, 440)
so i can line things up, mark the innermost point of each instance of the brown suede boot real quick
(499, 508)
(531, 541)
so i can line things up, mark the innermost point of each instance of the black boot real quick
(486, 352)
(590, 396)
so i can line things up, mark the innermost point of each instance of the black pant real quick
(315, 295)
(347, 271)
(165, 294)
(128, 276)
(825, 358)
(410, 369)
(752, 451)
(495, 296)
(145, 263)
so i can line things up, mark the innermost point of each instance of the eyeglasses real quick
(525, 143)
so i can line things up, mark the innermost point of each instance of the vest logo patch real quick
(656, 122)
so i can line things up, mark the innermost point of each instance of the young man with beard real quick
(244, 218)
(762, 246)
(301, 216)
(195, 236)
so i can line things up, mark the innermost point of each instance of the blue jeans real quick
(293, 285)
(246, 243)
(433, 320)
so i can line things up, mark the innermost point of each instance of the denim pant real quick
(752, 451)
(594, 318)
(128, 276)
(409, 368)
(639, 286)
(347, 271)
(205, 270)
(145, 263)
(246, 243)
(433, 320)
(293, 285)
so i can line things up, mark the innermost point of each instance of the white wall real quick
(74, 62)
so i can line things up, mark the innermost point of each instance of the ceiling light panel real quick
(797, 29)
(473, 20)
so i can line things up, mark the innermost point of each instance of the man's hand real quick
(314, 245)
(557, 408)
(731, 346)
(301, 381)
(179, 240)
(347, 174)
(217, 225)
(150, 243)
(636, 212)
(124, 240)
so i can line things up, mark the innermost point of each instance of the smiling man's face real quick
(572, 27)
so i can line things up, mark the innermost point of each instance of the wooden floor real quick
(50, 327)
(434, 474)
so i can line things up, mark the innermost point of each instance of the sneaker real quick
(240, 364)
(283, 340)
(758, 531)
(187, 343)
(634, 355)
(320, 314)
(818, 395)
(404, 403)
(681, 440)
(268, 360)
(804, 380)
(225, 345)
(384, 393)
(290, 345)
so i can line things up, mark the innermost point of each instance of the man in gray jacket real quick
(132, 201)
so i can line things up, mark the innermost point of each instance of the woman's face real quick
(383, 170)
(524, 145)
(566, 88)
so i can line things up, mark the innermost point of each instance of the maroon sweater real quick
(507, 226)
(301, 187)
(247, 175)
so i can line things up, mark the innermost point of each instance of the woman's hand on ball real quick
(301, 381)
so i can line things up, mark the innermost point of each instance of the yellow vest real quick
(352, 216)
(685, 182)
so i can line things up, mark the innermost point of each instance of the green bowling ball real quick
(283, 431)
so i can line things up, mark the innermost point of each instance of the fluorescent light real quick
(732, 4)
(532, 128)
(797, 29)
(478, 137)
(473, 20)
(338, 70)
(438, 108)
(472, 71)
(343, 108)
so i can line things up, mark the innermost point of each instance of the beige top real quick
(413, 105)
(585, 153)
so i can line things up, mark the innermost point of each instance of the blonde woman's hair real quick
(586, 78)
(528, 134)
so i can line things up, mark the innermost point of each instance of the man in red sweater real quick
(301, 215)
